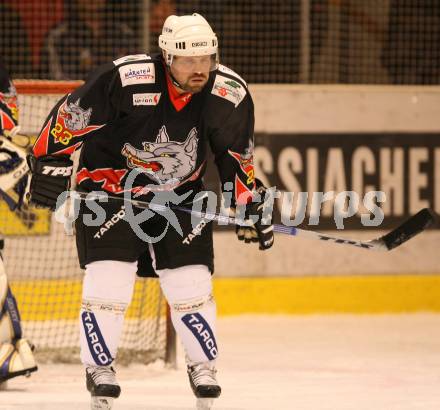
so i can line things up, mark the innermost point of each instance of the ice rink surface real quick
(383, 362)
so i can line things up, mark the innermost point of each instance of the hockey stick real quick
(408, 229)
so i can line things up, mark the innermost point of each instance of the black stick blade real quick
(413, 226)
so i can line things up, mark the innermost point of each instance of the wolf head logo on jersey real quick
(71, 121)
(164, 160)
(75, 117)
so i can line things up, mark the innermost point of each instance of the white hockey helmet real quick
(186, 36)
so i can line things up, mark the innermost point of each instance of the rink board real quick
(336, 294)
(343, 294)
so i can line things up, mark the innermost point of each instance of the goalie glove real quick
(13, 172)
(50, 178)
(259, 217)
(20, 140)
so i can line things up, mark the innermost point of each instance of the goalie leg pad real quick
(107, 291)
(16, 360)
(26, 355)
(188, 290)
(10, 327)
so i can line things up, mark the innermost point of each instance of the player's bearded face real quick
(192, 72)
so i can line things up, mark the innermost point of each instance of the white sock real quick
(188, 290)
(107, 291)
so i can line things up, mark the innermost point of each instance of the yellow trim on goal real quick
(61, 299)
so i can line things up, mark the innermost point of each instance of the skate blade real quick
(102, 403)
(205, 404)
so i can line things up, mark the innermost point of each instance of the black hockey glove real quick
(262, 230)
(50, 178)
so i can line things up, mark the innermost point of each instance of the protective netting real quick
(276, 41)
(42, 268)
(374, 42)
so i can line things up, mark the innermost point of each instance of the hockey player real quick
(16, 357)
(157, 114)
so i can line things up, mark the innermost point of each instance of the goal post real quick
(45, 277)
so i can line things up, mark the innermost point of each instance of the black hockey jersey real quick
(8, 102)
(125, 118)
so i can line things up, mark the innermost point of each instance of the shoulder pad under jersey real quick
(131, 58)
(227, 70)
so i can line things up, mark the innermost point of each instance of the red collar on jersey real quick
(179, 100)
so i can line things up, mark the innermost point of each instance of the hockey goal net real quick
(43, 271)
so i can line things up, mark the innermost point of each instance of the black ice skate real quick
(102, 385)
(203, 381)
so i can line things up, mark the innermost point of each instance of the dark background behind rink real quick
(405, 166)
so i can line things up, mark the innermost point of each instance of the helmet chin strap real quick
(173, 79)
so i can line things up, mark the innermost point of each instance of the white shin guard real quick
(107, 291)
(188, 291)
